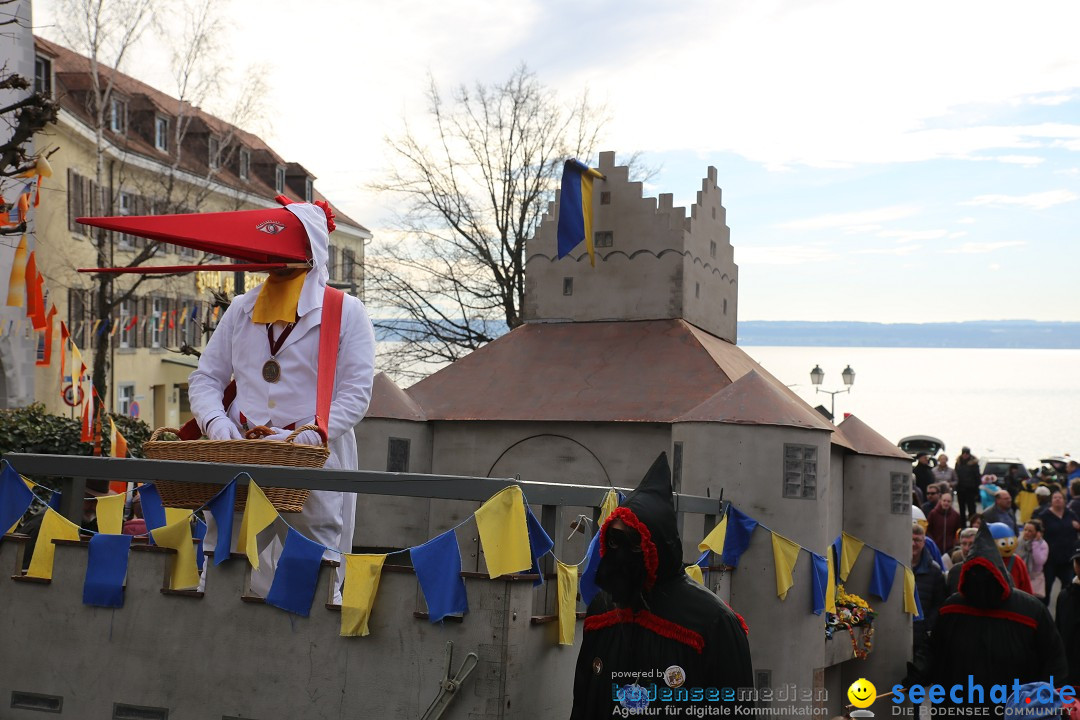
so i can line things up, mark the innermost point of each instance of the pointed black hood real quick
(650, 510)
(984, 582)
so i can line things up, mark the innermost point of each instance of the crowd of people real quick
(991, 549)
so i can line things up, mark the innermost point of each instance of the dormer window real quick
(118, 115)
(309, 190)
(43, 76)
(279, 179)
(215, 153)
(161, 133)
(245, 164)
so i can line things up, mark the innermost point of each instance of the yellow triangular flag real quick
(177, 535)
(909, 592)
(175, 515)
(694, 571)
(110, 514)
(258, 514)
(830, 584)
(849, 553)
(568, 586)
(715, 539)
(611, 501)
(504, 534)
(362, 573)
(785, 555)
(54, 526)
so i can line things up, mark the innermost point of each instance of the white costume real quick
(238, 349)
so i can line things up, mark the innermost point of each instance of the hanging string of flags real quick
(511, 536)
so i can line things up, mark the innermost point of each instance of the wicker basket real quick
(241, 452)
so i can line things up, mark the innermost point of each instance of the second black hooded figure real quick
(654, 632)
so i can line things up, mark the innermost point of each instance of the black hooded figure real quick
(992, 631)
(652, 626)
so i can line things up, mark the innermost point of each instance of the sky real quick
(902, 162)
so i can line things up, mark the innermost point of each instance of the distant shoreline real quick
(1026, 334)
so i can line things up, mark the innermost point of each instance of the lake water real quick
(1002, 403)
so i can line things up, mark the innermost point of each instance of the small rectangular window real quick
(215, 153)
(245, 164)
(697, 290)
(397, 455)
(157, 323)
(309, 190)
(124, 205)
(605, 198)
(124, 397)
(900, 493)
(603, 238)
(568, 286)
(676, 467)
(43, 76)
(800, 471)
(712, 248)
(118, 115)
(127, 311)
(279, 179)
(161, 133)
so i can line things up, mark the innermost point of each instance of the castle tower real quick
(652, 261)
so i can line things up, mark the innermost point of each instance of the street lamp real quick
(817, 375)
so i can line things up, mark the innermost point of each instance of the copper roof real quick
(754, 400)
(866, 441)
(390, 402)
(643, 371)
(72, 72)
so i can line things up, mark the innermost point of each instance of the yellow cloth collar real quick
(278, 298)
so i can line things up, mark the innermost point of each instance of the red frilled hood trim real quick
(649, 621)
(648, 547)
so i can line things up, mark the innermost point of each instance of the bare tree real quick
(454, 277)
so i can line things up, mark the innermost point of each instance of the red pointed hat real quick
(270, 235)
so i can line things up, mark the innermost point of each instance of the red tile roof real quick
(866, 441)
(755, 400)
(390, 402)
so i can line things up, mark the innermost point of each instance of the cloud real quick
(966, 221)
(1049, 100)
(910, 235)
(896, 251)
(1035, 201)
(1068, 171)
(782, 255)
(852, 220)
(1026, 160)
(976, 248)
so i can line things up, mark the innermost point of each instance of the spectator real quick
(975, 521)
(1002, 510)
(930, 584)
(933, 494)
(967, 483)
(1042, 495)
(961, 553)
(1059, 531)
(1072, 470)
(989, 634)
(1068, 621)
(1034, 550)
(1012, 481)
(943, 523)
(1074, 497)
(943, 473)
(924, 476)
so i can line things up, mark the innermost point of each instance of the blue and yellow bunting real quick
(576, 208)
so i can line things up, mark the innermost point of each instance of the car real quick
(915, 444)
(1000, 466)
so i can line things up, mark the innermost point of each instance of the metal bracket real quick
(448, 687)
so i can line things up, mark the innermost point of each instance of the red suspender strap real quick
(329, 336)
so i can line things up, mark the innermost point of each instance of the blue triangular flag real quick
(222, 507)
(739, 529)
(15, 498)
(819, 574)
(881, 579)
(297, 574)
(438, 568)
(540, 543)
(106, 568)
(703, 560)
(199, 533)
(587, 585)
(54, 500)
(152, 509)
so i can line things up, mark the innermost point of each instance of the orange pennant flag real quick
(117, 443)
(47, 359)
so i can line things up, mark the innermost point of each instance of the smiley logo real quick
(862, 693)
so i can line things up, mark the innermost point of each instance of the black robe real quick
(992, 631)
(680, 624)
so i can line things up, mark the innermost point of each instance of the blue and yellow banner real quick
(576, 208)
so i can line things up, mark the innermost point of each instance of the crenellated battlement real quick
(654, 260)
